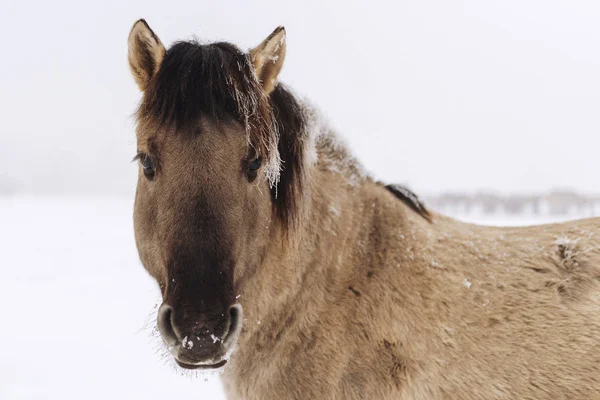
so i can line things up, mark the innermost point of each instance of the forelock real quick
(214, 80)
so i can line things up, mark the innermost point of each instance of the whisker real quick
(163, 354)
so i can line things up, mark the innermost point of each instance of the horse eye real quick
(253, 169)
(255, 165)
(147, 166)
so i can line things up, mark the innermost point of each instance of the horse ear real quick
(268, 57)
(145, 54)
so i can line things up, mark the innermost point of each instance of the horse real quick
(287, 267)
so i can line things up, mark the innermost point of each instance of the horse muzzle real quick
(199, 346)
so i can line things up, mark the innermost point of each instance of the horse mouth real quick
(201, 366)
(187, 361)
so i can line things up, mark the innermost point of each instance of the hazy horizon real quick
(442, 97)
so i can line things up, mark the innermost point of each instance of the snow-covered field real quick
(76, 304)
(75, 300)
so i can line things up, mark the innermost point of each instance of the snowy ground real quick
(76, 302)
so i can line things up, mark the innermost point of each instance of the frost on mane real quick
(335, 155)
(316, 126)
(325, 146)
(272, 170)
(320, 145)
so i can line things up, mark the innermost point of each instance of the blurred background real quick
(487, 109)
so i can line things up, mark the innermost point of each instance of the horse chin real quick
(188, 361)
(201, 366)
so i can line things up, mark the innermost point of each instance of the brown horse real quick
(246, 200)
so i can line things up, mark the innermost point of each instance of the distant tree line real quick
(557, 202)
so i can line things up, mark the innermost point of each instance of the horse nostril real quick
(235, 325)
(234, 312)
(165, 324)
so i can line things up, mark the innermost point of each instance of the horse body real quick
(350, 289)
(375, 302)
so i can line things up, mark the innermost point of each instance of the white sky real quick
(464, 95)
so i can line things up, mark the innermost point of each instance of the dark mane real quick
(195, 80)
(218, 80)
(408, 197)
(291, 122)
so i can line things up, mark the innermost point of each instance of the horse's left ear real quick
(268, 57)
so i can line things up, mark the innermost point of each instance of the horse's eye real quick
(255, 165)
(147, 166)
(253, 168)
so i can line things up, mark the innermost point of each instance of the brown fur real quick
(362, 297)
(379, 304)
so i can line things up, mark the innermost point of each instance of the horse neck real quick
(301, 269)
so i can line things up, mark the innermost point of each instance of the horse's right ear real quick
(145, 54)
